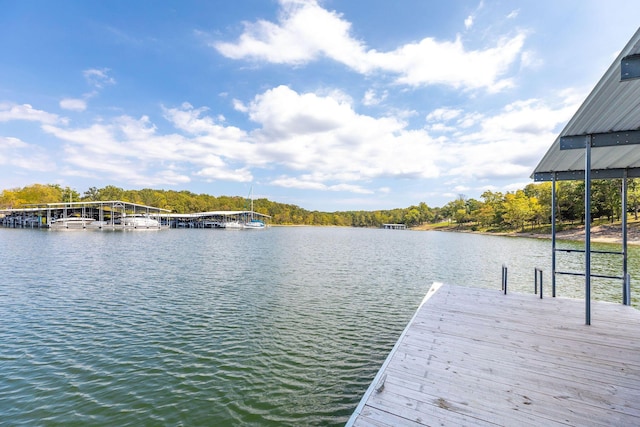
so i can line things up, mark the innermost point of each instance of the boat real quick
(76, 222)
(213, 224)
(140, 221)
(233, 225)
(253, 224)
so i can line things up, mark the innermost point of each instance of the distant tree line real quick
(495, 211)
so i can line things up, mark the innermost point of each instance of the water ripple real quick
(198, 327)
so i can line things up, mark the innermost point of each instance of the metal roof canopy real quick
(119, 203)
(611, 116)
(601, 141)
(215, 213)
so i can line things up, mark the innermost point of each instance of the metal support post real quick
(587, 229)
(625, 292)
(553, 234)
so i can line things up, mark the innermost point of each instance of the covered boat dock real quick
(112, 215)
(212, 219)
(601, 141)
(103, 215)
(485, 358)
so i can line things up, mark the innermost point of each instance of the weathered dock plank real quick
(477, 357)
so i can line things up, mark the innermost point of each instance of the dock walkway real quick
(477, 357)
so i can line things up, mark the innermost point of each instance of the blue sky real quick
(329, 105)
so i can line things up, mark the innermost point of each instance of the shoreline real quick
(607, 233)
(599, 234)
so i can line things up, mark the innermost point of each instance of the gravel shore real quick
(599, 233)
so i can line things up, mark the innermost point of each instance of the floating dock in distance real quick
(394, 226)
(477, 357)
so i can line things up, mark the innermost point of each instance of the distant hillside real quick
(529, 208)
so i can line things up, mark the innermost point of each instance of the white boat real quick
(213, 224)
(253, 224)
(140, 221)
(233, 225)
(76, 222)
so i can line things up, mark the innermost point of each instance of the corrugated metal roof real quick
(613, 106)
(213, 213)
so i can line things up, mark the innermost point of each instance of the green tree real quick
(486, 215)
(31, 194)
(606, 198)
(570, 196)
(541, 192)
(111, 193)
(493, 204)
(517, 209)
(426, 214)
(412, 217)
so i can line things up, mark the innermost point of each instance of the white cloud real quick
(468, 23)
(531, 60)
(314, 141)
(319, 140)
(171, 177)
(132, 149)
(305, 32)
(8, 142)
(306, 183)
(30, 157)
(508, 144)
(469, 120)
(302, 184)
(350, 188)
(98, 77)
(10, 112)
(454, 120)
(460, 189)
(531, 117)
(309, 132)
(372, 98)
(225, 174)
(193, 121)
(239, 106)
(440, 127)
(444, 114)
(73, 104)
(449, 63)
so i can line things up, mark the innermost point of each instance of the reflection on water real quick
(211, 327)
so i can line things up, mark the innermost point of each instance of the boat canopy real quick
(608, 120)
(601, 141)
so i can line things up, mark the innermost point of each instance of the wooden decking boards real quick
(477, 357)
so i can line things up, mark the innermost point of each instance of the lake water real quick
(286, 326)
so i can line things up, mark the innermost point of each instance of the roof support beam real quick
(607, 139)
(595, 174)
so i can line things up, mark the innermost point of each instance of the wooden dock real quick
(477, 357)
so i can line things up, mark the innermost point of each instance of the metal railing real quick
(538, 274)
(538, 282)
(626, 278)
(504, 278)
(626, 291)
